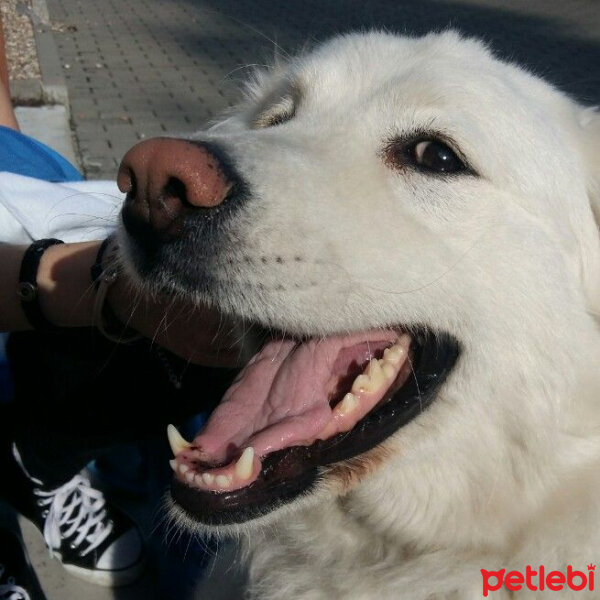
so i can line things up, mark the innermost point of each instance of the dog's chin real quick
(261, 451)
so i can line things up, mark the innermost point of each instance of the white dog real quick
(412, 220)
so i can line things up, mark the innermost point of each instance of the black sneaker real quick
(93, 540)
(17, 578)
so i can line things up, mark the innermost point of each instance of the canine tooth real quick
(361, 383)
(388, 370)
(183, 468)
(347, 405)
(245, 464)
(198, 479)
(190, 476)
(208, 478)
(222, 481)
(176, 440)
(173, 464)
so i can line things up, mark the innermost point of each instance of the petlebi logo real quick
(554, 581)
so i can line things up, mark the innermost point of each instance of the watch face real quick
(27, 291)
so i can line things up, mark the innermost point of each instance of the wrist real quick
(66, 294)
(106, 274)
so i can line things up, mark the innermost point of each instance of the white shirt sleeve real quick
(32, 209)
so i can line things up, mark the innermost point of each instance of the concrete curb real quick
(54, 87)
(27, 92)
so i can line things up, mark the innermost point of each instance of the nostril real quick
(175, 188)
(126, 180)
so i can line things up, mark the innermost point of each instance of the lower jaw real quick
(286, 474)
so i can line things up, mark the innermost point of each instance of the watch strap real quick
(28, 290)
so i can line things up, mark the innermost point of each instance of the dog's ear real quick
(589, 120)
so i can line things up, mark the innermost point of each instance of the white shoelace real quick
(10, 590)
(75, 507)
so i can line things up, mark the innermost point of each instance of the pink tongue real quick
(281, 398)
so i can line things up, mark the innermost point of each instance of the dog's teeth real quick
(176, 440)
(394, 355)
(189, 476)
(198, 479)
(173, 464)
(361, 384)
(347, 405)
(208, 478)
(222, 481)
(183, 468)
(373, 369)
(245, 464)
(372, 379)
(388, 370)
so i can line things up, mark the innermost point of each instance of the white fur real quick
(504, 469)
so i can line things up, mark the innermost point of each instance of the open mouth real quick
(301, 405)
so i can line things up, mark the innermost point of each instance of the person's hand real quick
(195, 333)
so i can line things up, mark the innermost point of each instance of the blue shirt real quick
(23, 155)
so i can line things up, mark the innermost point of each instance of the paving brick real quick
(96, 148)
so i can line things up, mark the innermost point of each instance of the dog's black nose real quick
(165, 180)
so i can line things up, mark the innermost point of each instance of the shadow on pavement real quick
(554, 42)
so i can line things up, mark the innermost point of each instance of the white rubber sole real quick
(98, 577)
(106, 578)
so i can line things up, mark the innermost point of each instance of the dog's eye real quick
(436, 156)
(278, 113)
(427, 154)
